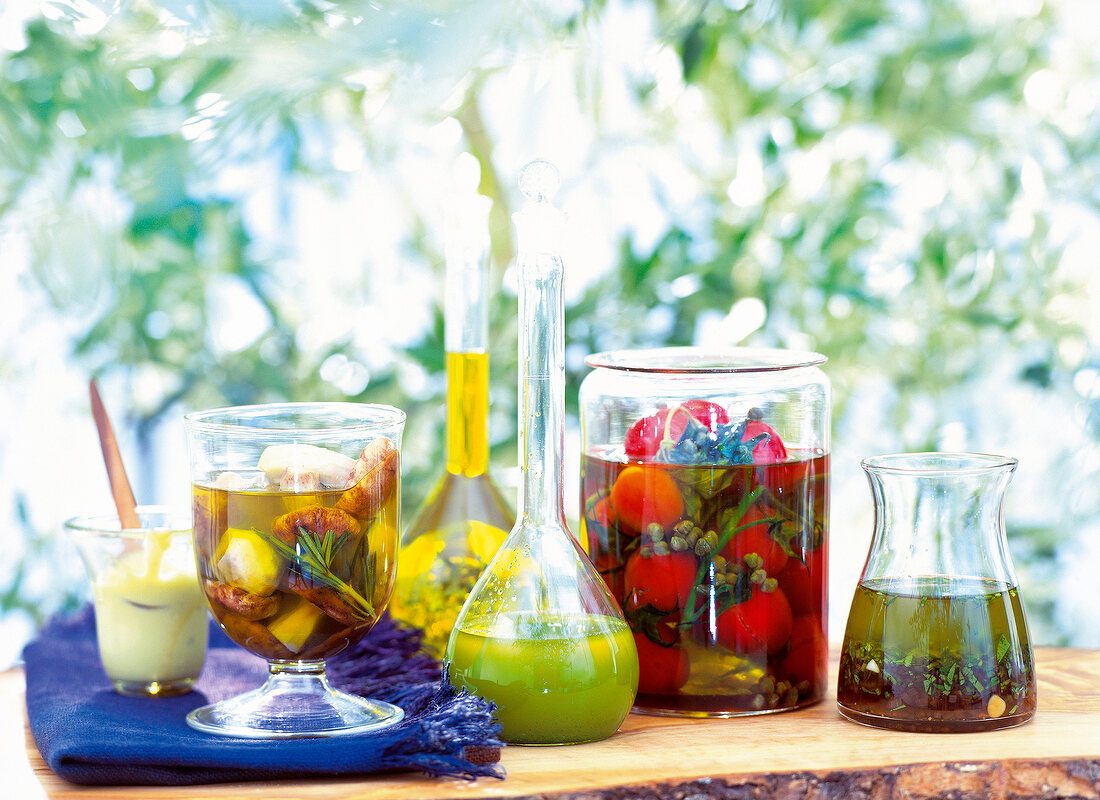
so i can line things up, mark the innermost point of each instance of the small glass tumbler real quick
(936, 639)
(150, 613)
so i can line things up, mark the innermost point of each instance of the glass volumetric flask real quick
(540, 634)
(465, 518)
(936, 638)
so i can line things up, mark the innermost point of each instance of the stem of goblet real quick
(296, 667)
(298, 676)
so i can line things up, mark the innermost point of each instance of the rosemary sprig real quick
(321, 549)
(313, 557)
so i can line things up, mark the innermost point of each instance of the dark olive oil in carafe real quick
(936, 654)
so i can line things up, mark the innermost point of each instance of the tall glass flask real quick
(541, 635)
(937, 639)
(465, 518)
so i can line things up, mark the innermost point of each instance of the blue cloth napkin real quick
(90, 734)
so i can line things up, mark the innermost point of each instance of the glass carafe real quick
(465, 518)
(936, 638)
(540, 634)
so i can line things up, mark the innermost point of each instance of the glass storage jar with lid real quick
(704, 500)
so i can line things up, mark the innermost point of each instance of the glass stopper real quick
(539, 181)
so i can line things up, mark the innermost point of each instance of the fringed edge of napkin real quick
(462, 740)
(461, 745)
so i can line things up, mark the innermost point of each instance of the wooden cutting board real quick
(808, 753)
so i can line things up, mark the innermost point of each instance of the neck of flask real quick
(466, 335)
(541, 388)
(467, 413)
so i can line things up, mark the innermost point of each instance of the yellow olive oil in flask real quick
(465, 518)
(540, 635)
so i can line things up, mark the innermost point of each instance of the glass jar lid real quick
(695, 360)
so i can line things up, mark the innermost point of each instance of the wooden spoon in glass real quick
(116, 472)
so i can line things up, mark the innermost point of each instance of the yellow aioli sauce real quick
(151, 616)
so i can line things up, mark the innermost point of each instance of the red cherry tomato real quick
(662, 581)
(769, 451)
(794, 579)
(603, 514)
(805, 660)
(769, 615)
(646, 494)
(755, 539)
(817, 562)
(786, 479)
(661, 669)
(763, 622)
(731, 632)
(612, 572)
(710, 414)
(598, 522)
(643, 440)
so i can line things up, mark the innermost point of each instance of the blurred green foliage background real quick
(209, 202)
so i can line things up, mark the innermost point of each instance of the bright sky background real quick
(48, 440)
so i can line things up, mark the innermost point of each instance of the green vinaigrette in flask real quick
(540, 635)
